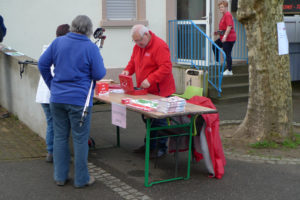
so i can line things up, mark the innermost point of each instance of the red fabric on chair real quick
(212, 135)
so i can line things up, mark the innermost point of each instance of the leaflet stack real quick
(171, 105)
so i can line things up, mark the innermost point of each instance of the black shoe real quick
(157, 154)
(142, 149)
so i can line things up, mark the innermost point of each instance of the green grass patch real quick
(15, 117)
(288, 143)
(251, 152)
(297, 138)
(264, 145)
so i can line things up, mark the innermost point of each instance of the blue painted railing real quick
(240, 50)
(191, 46)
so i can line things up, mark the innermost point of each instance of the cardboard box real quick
(196, 78)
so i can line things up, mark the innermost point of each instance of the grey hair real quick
(82, 24)
(140, 28)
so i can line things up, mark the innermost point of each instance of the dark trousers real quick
(161, 143)
(227, 48)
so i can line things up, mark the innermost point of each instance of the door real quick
(199, 11)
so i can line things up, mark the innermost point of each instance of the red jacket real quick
(212, 136)
(225, 21)
(154, 64)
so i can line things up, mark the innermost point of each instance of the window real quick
(123, 12)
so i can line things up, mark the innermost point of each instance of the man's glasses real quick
(136, 41)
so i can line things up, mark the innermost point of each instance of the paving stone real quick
(117, 189)
(129, 197)
(132, 191)
(145, 198)
(126, 187)
(123, 193)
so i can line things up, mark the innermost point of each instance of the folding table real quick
(190, 109)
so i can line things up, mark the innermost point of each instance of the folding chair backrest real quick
(191, 91)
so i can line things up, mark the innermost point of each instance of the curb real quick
(258, 159)
(124, 190)
(262, 159)
(228, 122)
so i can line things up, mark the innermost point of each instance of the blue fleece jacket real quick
(77, 62)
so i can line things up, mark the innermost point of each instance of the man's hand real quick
(124, 72)
(145, 84)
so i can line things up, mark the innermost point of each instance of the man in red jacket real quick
(150, 61)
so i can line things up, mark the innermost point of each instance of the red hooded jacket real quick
(154, 64)
(212, 136)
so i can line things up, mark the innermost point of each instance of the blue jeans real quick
(160, 143)
(66, 117)
(49, 130)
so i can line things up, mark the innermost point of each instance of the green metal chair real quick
(190, 91)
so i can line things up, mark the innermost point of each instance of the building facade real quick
(32, 23)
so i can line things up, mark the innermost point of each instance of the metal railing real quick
(240, 49)
(189, 45)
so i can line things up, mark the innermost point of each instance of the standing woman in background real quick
(43, 97)
(77, 63)
(227, 36)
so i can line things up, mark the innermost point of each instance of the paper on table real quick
(13, 53)
(118, 91)
(118, 115)
(283, 43)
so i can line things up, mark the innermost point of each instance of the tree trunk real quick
(269, 112)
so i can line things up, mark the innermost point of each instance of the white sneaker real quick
(225, 73)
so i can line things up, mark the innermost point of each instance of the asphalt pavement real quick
(120, 173)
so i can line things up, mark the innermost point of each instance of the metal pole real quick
(118, 136)
(87, 102)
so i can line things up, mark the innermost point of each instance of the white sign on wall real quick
(283, 43)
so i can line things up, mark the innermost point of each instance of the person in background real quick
(151, 63)
(43, 97)
(78, 64)
(227, 36)
(2, 29)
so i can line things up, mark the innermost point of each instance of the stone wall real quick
(17, 94)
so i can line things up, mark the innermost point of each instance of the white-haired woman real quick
(77, 62)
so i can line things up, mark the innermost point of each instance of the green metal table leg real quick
(190, 149)
(176, 158)
(118, 136)
(147, 152)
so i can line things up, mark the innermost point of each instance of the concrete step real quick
(234, 98)
(230, 89)
(235, 79)
(240, 69)
(234, 88)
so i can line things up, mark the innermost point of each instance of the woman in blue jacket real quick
(77, 62)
